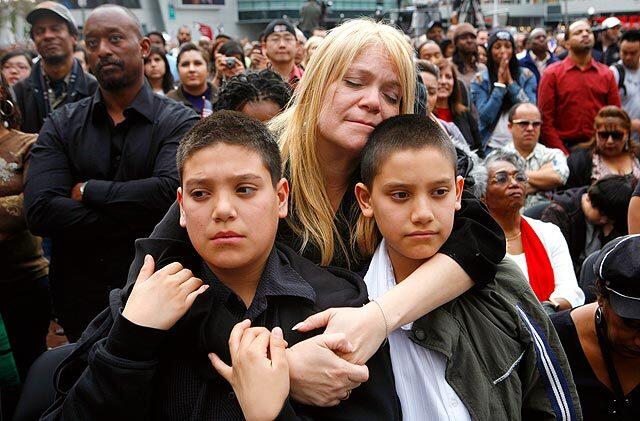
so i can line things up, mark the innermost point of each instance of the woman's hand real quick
(223, 71)
(258, 61)
(318, 376)
(260, 372)
(507, 71)
(364, 327)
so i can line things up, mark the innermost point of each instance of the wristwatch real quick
(499, 85)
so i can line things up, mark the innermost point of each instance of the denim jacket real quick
(488, 102)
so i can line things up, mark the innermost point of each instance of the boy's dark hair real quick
(189, 46)
(408, 131)
(611, 195)
(232, 128)
(631, 35)
(264, 86)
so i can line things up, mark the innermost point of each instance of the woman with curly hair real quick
(261, 95)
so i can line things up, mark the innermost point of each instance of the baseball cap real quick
(618, 267)
(463, 29)
(279, 25)
(51, 8)
(434, 24)
(611, 22)
(537, 32)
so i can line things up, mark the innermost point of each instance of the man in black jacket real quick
(57, 78)
(149, 360)
(102, 172)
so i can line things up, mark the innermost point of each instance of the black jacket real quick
(468, 126)
(168, 375)
(30, 99)
(131, 180)
(580, 162)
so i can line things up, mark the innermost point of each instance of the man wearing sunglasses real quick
(546, 168)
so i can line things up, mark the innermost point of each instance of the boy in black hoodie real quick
(589, 217)
(145, 357)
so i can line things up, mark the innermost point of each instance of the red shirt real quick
(444, 114)
(569, 99)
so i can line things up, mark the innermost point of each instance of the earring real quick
(7, 108)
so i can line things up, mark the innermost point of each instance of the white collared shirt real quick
(419, 372)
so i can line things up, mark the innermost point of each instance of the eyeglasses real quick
(615, 135)
(503, 177)
(523, 124)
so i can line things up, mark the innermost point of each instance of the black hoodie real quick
(124, 371)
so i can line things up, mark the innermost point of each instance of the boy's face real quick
(229, 206)
(592, 214)
(413, 199)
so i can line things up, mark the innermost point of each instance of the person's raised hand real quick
(158, 300)
(364, 327)
(259, 372)
(319, 377)
(502, 71)
(258, 61)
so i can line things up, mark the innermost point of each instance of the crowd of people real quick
(342, 224)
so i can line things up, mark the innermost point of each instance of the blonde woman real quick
(362, 74)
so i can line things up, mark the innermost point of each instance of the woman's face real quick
(501, 49)
(353, 106)
(449, 50)
(263, 110)
(482, 54)
(16, 69)
(431, 52)
(431, 83)
(623, 334)
(192, 69)
(155, 68)
(506, 188)
(611, 138)
(445, 83)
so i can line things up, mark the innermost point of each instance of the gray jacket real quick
(504, 358)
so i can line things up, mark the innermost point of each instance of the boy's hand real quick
(260, 373)
(158, 300)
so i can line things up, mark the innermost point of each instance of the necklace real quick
(514, 237)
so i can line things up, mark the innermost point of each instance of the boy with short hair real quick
(591, 216)
(149, 361)
(488, 354)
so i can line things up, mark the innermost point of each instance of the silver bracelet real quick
(386, 324)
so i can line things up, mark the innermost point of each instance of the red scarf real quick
(541, 277)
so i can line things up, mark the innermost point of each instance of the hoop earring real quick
(4, 105)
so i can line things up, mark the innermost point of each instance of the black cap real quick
(618, 267)
(51, 8)
(433, 24)
(279, 25)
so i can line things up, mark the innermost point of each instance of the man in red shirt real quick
(572, 91)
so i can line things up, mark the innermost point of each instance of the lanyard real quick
(620, 404)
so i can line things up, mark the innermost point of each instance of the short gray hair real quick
(500, 155)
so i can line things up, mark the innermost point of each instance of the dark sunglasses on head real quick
(503, 177)
(523, 124)
(615, 135)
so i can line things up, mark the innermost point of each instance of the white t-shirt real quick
(558, 252)
(419, 372)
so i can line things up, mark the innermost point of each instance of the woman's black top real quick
(595, 398)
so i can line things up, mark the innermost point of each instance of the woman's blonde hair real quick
(312, 217)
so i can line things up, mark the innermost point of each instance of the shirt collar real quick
(142, 103)
(278, 279)
(569, 64)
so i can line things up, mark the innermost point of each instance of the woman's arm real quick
(470, 256)
(487, 101)
(634, 215)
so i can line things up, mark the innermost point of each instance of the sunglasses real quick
(503, 177)
(615, 135)
(523, 124)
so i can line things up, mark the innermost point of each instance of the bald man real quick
(103, 170)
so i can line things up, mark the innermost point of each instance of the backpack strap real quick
(621, 73)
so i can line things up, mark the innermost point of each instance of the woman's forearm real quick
(436, 282)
